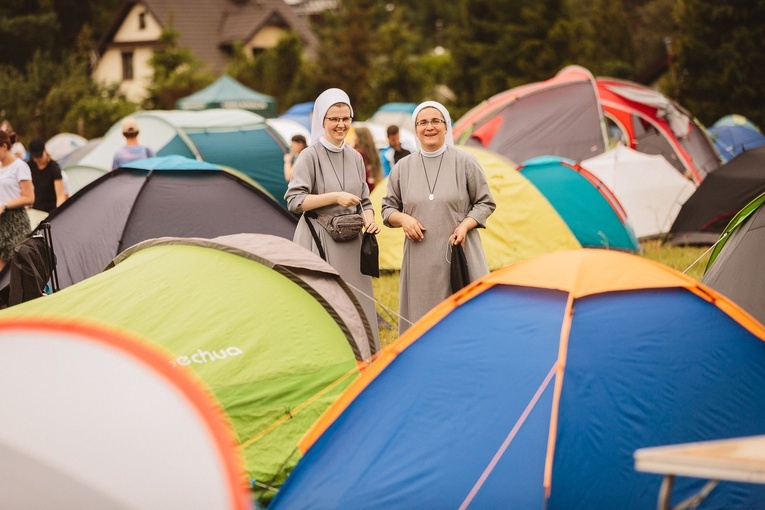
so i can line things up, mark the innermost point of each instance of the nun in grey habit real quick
(329, 178)
(439, 196)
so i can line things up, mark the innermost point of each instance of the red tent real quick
(649, 122)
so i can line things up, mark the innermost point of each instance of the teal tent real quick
(226, 92)
(233, 138)
(588, 207)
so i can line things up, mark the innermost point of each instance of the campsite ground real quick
(692, 258)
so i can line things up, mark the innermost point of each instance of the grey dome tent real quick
(735, 267)
(720, 196)
(156, 197)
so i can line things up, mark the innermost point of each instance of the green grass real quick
(689, 259)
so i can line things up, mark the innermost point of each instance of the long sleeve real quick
(479, 192)
(392, 202)
(303, 180)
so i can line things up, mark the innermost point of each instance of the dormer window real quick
(142, 21)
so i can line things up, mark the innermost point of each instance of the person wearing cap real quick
(16, 192)
(132, 149)
(46, 177)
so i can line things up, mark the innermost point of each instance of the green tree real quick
(277, 71)
(427, 21)
(26, 27)
(395, 74)
(719, 62)
(177, 73)
(499, 44)
(346, 52)
(78, 104)
(611, 51)
(653, 26)
(54, 95)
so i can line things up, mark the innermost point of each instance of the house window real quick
(142, 21)
(127, 65)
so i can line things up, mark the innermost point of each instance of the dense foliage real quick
(719, 65)
(710, 54)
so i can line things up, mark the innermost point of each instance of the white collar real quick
(331, 146)
(435, 153)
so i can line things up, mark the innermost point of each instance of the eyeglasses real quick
(338, 120)
(432, 122)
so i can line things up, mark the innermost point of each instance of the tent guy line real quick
(506, 443)
(381, 304)
(704, 254)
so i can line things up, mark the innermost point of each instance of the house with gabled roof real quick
(209, 28)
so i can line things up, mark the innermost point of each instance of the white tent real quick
(287, 128)
(63, 144)
(648, 187)
(95, 419)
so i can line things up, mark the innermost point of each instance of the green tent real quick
(226, 92)
(269, 327)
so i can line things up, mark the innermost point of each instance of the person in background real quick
(297, 144)
(132, 151)
(438, 196)
(18, 149)
(365, 144)
(391, 154)
(46, 178)
(16, 193)
(329, 178)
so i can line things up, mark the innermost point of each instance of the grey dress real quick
(316, 171)
(459, 190)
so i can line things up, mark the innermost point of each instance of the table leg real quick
(665, 492)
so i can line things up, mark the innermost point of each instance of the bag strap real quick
(311, 214)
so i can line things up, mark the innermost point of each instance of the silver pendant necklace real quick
(342, 184)
(431, 196)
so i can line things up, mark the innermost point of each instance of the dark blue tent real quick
(533, 387)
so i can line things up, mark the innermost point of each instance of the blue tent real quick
(581, 358)
(588, 207)
(734, 134)
(300, 113)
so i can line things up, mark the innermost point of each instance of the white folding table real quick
(739, 460)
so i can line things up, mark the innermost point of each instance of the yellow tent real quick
(523, 225)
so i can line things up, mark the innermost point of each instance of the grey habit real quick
(459, 190)
(319, 170)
